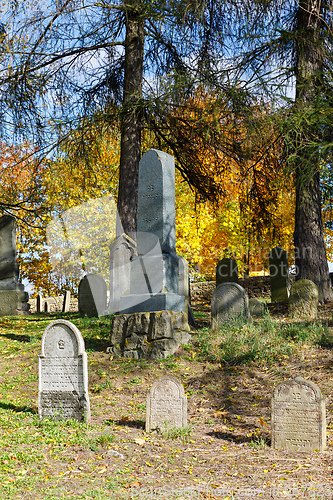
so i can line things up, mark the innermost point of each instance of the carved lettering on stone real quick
(63, 373)
(166, 405)
(298, 417)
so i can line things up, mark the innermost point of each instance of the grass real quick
(264, 341)
(52, 459)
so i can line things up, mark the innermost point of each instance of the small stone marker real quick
(229, 300)
(257, 308)
(166, 405)
(63, 373)
(226, 271)
(303, 300)
(298, 417)
(39, 303)
(67, 302)
(92, 296)
(279, 274)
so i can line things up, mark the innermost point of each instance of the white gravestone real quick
(298, 417)
(63, 374)
(166, 405)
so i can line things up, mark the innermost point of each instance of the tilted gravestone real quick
(39, 303)
(63, 374)
(298, 417)
(13, 298)
(279, 274)
(166, 405)
(154, 283)
(226, 271)
(122, 251)
(303, 300)
(92, 296)
(229, 300)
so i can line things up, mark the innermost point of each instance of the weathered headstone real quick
(279, 274)
(229, 300)
(67, 302)
(166, 405)
(63, 374)
(226, 271)
(122, 251)
(298, 417)
(303, 300)
(257, 308)
(154, 283)
(39, 303)
(92, 296)
(13, 298)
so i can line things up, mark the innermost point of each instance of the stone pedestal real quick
(149, 335)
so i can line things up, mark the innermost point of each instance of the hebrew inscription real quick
(166, 405)
(298, 417)
(63, 374)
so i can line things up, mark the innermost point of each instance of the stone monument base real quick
(148, 335)
(13, 300)
(150, 302)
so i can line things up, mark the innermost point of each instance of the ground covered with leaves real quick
(224, 453)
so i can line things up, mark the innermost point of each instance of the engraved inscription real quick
(61, 344)
(298, 417)
(166, 405)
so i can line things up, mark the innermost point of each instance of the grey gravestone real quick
(226, 271)
(298, 417)
(257, 308)
(303, 300)
(63, 374)
(166, 405)
(122, 251)
(229, 300)
(154, 272)
(92, 296)
(279, 274)
(67, 302)
(13, 298)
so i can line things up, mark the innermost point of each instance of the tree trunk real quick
(310, 253)
(131, 120)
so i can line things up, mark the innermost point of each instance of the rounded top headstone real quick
(62, 339)
(167, 387)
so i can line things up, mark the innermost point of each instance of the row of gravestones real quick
(298, 415)
(230, 300)
(43, 304)
(227, 271)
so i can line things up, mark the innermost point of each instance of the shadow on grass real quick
(19, 338)
(137, 424)
(18, 409)
(228, 436)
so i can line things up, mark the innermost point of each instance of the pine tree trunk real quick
(131, 120)
(310, 252)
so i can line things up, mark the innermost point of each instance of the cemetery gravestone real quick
(39, 303)
(226, 271)
(154, 283)
(13, 298)
(166, 405)
(67, 302)
(229, 300)
(279, 274)
(257, 308)
(92, 296)
(63, 374)
(122, 251)
(298, 417)
(303, 300)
